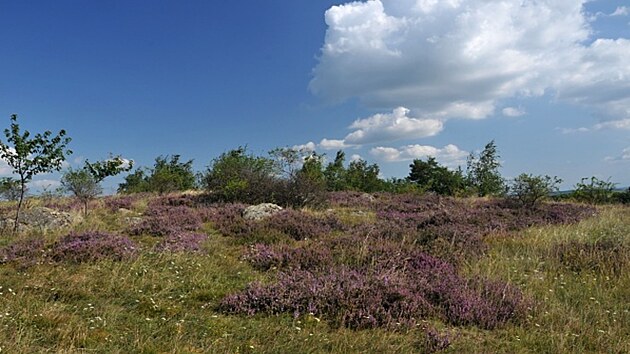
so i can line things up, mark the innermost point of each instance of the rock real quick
(38, 218)
(370, 198)
(261, 211)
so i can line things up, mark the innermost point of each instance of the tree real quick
(594, 190)
(168, 174)
(107, 168)
(363, 177)
(31, 156)
(431, 176)
(238, 176)
(82, 184)
(529, 189)
(335, 173)
(483, 172)
(10, 188)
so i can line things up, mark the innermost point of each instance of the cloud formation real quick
(512, 112)
(459, 58)
(449, 155)
(385, 127)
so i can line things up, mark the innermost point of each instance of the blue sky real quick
(385, 80)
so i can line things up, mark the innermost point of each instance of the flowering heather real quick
(264, 257)
(299, 225)
(162, 220)
(349, 199)
(182, 242)
(23, 252)
(113, 203)
(228, 220)
(92, 246)
(396, 286)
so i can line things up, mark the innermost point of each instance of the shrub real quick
(24, 252)
(529, 189)
(10, 188)
(236, 176)
(82, 185)
(162, 220)
(594, 191)
(167, 175)
(432, 177)
(92, 246)
(182, 242)
(392, 291)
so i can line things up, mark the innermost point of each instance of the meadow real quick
(380, 273)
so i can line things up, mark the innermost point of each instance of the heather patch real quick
(92, 246)
(182, 242)
(160, 220)
(23, 252)
(378, 285)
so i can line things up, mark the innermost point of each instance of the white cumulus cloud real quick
(390, 127)
(332, 144)
(460, 58)
(450, 155)
(512, 112)
(621, 11)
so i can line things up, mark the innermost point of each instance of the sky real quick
(387, 81)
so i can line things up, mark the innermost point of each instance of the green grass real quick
(166, 303)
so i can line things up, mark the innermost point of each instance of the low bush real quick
(389, 293)
(23, 252)
(182, 242)
(160, 220)
(92, 246)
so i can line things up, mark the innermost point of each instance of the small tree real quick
(107, 168)
(363, 177)
(82, 184)
(483, 172)
(431, 176)
(238, 176)
(530, 189)
(594, 190)
(302, 180)
(335, 173)
(10, 188)
(167, 175)
(31, 156)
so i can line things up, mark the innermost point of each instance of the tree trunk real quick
(17, 213)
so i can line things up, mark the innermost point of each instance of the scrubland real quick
(374, 274)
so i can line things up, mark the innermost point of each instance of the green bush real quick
(594, 191)
(528, 189)
(167, 175)
(236, 176)
(432, 177)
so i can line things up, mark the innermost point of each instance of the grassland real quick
(574, 275)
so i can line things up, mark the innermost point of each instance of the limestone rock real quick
(38, 218)
(261, 211)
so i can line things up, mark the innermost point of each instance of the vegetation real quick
(82, 184)
(167, 175)
(372, 272)
(483, 172)
(10, 188)
(31, 156)
(594, 191)
(522, 280)
(430, 176)
(530, 190)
